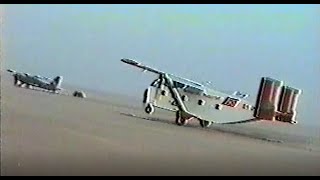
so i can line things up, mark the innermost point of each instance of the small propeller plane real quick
(195, 101)
(30, 81)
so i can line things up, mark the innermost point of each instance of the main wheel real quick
(28, 86)
(22, 85)
(182, 120)
(149, 109)
(204, 123)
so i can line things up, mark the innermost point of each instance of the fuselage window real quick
(178, 85)
(193, 90)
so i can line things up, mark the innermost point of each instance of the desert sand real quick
(48, 134)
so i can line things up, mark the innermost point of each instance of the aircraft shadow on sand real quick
(215, 128)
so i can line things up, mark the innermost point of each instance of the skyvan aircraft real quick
(195, 101)
(29, 81)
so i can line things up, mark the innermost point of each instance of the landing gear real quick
(16, 81)
(182, 119)
(149, 109)
(28, 86)
(205, 124)
(22, 85)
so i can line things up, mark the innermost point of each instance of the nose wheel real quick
(149, 109)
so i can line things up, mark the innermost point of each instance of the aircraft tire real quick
(182, 120)
(294, 122)
(17, 83)
(205, 124)
(149, 109)
(28, 86)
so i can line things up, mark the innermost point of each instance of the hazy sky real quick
(232, 46)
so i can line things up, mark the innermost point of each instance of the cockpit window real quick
(178, 85)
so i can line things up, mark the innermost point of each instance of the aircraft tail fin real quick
(276, 101)
(57, 81)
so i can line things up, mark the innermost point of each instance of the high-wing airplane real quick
(193, 100)
(51, 85)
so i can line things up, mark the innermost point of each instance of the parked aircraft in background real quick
(30, 81)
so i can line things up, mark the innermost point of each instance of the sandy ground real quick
(46, 134)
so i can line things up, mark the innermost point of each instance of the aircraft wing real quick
(156, 71)
(141, 66)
